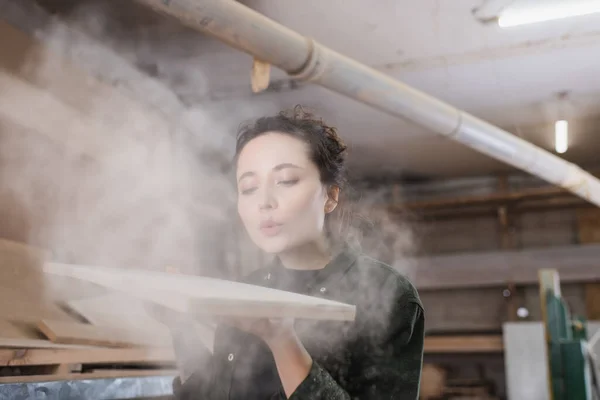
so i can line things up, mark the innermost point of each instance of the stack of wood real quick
(71, 329)
(69, 319)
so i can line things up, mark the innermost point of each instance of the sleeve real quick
(385, 366)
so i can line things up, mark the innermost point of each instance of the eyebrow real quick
(278, 167)
(285, 165)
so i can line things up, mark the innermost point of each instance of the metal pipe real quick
(306, 60)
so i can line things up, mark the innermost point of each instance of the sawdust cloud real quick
(150, 190)
(135, 187)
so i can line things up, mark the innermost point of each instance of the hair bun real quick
(335, 144)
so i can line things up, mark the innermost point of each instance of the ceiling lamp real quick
(561, 136)
(552, 10)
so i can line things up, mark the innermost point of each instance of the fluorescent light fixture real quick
(553, 11)
(561, 136)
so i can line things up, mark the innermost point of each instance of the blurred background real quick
(117, 128)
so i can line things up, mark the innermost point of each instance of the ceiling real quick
(510, 77)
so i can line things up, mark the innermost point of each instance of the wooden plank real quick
(17, 343)
(464, 344)
(13, 330)
(500, 197)
(116, 310)
(94, 374)
(201, 296)
(28, 357)
(574, 263)
(85, 334)
(21, 335)
(125, 312)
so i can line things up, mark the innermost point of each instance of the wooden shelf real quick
(464, 344)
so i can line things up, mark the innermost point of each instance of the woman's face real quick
(281, 199)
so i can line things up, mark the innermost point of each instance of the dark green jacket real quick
(376, 357)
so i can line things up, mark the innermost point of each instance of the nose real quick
(268, 200)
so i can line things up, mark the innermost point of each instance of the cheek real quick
(245, 211)
(306, 205)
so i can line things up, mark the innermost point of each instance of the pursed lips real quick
(270, 228)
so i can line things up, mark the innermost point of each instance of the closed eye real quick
(289, 182)
(248, 191)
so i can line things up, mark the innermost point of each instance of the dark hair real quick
(326, 148)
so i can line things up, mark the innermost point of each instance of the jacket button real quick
(230, 357)
(323, 290)
(268, 277)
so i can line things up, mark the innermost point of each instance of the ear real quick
(333, 195)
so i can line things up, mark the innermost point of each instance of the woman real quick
(290, 175)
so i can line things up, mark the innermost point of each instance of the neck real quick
(310, 256)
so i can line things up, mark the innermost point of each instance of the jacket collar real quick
(332, 272)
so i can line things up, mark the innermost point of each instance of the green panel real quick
(569, 370)
(577, 378)
(557, 318)
(557, 379)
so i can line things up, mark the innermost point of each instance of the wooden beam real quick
(547, 197)
(464, 344)
(27, 357)
(481, 200)
(542, 205)
(574, 263)
(35, 344)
